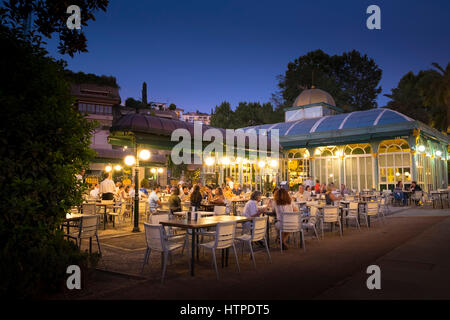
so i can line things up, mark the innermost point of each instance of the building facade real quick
(197, 116)
(372, 149)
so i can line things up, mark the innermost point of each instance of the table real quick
(440, 194)
(202, 213)
(72, 217)
(201, 223)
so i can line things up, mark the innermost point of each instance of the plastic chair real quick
(87, 229)
(331, 215)
(352, 213)
(224, 238)
(258, 233)
(157, 240)
(290, 222)
(220, 210)
(373, 210)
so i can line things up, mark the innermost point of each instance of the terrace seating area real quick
(222, 228)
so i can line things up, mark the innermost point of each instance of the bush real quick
(44, 142)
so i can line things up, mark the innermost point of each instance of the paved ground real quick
(411, 249)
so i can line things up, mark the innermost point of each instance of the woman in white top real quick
(283, 204)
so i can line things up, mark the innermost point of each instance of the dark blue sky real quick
(197, 54)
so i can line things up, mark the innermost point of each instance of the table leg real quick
(104, 219)
(226, 256)
(342, 222)
(193, 252)
(368, 221)
(222, 257)
(268, 232)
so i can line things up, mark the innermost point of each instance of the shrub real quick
(44, 142)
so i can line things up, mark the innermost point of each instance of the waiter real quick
(107, 188)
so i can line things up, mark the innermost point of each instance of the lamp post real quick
(129, 161)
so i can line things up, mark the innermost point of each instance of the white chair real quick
(224, 238)
(331, 215)
(372, 210)
(352, 213)
(87, 230)
(116, 213)
(258, 233)
(290, 222)
(157, 240)
(311, 221)
(220, 210)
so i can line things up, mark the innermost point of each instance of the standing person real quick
(283, 204)
(175, 201)
(153, 199)
(230, 182)
(317, 187)
(107, 188)
(196, 197)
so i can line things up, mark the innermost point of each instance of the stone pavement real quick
(418, 269)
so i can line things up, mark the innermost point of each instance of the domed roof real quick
(313, 95)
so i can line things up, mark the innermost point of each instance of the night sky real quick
(197, 54)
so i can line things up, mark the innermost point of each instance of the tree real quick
(133, 103)
(44, 143)
(172, 106)
(222, 116)
(144, 94)
(424, 97)
(351, 79)
(50, 17)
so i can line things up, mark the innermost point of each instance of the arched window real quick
(327, 164)
(298, 166)
(394, 163)
(358, 166)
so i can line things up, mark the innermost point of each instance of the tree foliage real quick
(81, 77)
(246, 114)
(44, 143)
(424, 97)
(144, 94)
(49, 17)
(351, 78)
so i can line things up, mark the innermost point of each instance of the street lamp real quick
(118, 167)
(130, 160)
(108, 168)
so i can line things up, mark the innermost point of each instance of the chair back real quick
(88, 226)
(353, 208)
(220, 210)
(372, 208)
(418, 195)
(89, 208)
(330, 214)
(349, 198)
(155, 236)
(259, 228)
(240, 209)
(156, 218)
(225, 232)
(290, 221)
(313, 211)
(185, 206)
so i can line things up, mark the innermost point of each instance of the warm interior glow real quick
(273, 163)
(108, 168)
(226, 161)
(153, 170)
(261, 164)
(118, 167)
(421, 148)
(160, 170)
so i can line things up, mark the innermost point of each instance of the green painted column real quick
(413, 147)
(311, 164)
(376, 179)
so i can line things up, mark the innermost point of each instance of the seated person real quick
(330, 198)
(251, 209)
(343, 190)
(153, 199)
(283, 204)
(218, 197)
(302, 195)
(399, 194)
(236, 189)
(196, 197)
(415, 187)
(175, 201)
(185, 196)
(228, 193)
